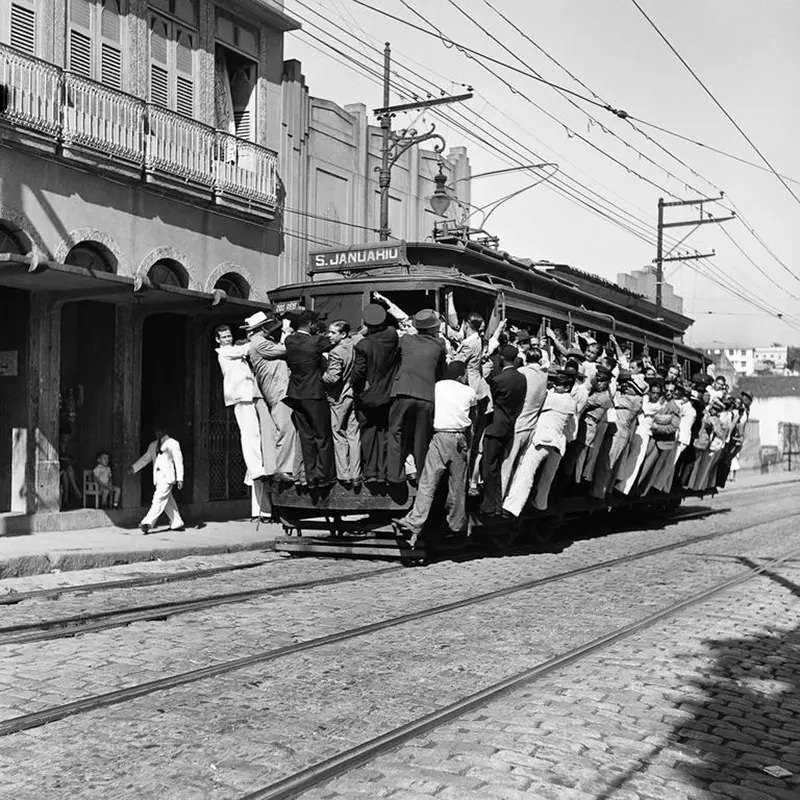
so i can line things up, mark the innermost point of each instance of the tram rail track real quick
(303, 780)
(13, 597)
(80, 624)
(83, 705)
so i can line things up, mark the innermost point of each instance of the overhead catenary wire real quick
(716, 102)
(576, 195)
(745, 295)
(485, 57)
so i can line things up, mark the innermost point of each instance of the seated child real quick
(103, 478)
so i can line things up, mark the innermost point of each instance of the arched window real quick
(167, 272)
(9, 241)
(233, 285)
(92, 256)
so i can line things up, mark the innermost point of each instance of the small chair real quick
(90, 488)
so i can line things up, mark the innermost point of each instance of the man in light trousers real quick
(455, 410)
(165, 455)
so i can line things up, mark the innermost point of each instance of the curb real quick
(67, 561)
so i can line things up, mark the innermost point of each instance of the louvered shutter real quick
(242, 82)
(184, 62)
(111, 44)
(159, 65)
(80, 37)
(23, 28)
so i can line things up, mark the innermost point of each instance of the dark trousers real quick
(373, 424)
(312, 418)
(494, 451)
(410, 431)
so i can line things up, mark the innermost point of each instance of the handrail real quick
(81, 112)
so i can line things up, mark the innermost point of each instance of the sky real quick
(744, 52)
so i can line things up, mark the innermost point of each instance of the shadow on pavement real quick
(745, 717)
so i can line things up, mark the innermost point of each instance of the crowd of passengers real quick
(513, 420)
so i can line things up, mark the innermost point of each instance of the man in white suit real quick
(165, 454)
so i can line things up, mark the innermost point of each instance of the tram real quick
(478, 278)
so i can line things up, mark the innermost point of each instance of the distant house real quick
(776, 402)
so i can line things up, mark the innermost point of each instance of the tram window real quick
(340, 306)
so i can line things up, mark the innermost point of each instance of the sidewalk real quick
(103, 547)
(37, 553)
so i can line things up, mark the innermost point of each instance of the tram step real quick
(366, 547)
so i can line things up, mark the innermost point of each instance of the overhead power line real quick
(511, 156)
(716, 102)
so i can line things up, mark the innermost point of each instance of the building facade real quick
(162, 169)
(772, 360)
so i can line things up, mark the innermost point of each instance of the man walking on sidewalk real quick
(165, 455)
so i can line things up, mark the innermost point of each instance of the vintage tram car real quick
(533, 296)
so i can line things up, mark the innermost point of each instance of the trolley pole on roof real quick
(393, 145)
(660, 258)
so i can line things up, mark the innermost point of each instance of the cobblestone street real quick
(694, 706)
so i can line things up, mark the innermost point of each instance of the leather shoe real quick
(145, 528)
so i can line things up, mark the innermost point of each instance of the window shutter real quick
(242, 94)
(159, 67)
(80, 37)
(23, 28)
(110, 48)
(184, 58)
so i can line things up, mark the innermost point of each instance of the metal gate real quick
(226, 467)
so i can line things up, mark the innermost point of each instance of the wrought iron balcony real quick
(79, 114)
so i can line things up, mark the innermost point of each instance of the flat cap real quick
(374, 314)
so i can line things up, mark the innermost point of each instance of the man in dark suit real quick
(306, 397)
(421, 364)
(374, 364)
(508, 389)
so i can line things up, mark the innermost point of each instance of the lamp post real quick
(393, 145)
(440, 200)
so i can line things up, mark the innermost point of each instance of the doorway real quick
(166, 382)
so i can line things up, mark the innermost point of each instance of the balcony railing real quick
(37, 96)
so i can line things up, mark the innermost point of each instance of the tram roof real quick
(487, 269)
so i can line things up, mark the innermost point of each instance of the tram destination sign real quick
(358, 257)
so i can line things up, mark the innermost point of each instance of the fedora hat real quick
(426, 319)
(255, 321)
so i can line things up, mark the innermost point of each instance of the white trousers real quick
(163, 502)
(519, 447)
(522, 481)
(250, 436)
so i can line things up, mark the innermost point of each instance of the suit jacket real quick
(306, 365)
(338, 374)
(167, 460)
(470, 351)
(535, 393)
(421, 364)
(374, 364)
(508, 395)
(267, 358)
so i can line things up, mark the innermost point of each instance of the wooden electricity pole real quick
(660, 258)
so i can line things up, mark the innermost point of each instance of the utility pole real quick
(660, 258)
(393, 145)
